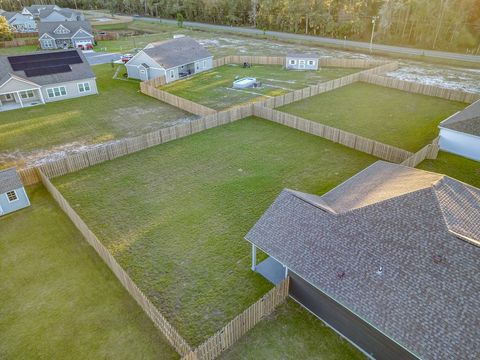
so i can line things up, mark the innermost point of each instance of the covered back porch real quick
(20, 99)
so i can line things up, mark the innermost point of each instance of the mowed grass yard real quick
(175, 215)
(119, 110)
(405, 120)
(58, 300)
(215, 88)
(292, 333)
(455, 166)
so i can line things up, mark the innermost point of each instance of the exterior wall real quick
(8, 207)
(23, 23)
(171, 75)
(47, 40)
(72, 90)
(296, 66)
(142, 58)
(200, 66)
(460, 143)
(82, 40)
(345, 322)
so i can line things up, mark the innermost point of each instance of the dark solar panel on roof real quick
(35, 61)
(48, 70)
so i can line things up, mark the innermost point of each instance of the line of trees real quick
(433, 24)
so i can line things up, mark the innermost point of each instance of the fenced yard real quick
(58, 300)
(174, 215)
(214, 88)
(405, 120)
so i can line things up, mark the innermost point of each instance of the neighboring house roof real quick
(64, 12)
(35, 9)
(467, 121)
(73, 26)
(303, 56)
(15, 16)
(176, 52)
(9, 14)
(78, 71)
(9, 180)
(421, 228)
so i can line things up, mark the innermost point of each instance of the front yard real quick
(175, 215)
(119, 110)
(58, 300)
(405, 120)
(215, 90)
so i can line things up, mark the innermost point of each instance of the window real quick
(12, 196)
(27, 94)
(57, 92)
(204, 64)
(48, 43)
(292, 62)
(172, 74)
(311, 62)
(85, 87)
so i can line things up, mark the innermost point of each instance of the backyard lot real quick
(214, 88)
(119, 110)
(175, 215)
(58, 300)
(405, 120)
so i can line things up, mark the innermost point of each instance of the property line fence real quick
(18, 42)
(25, 35)
(240, 325)
(429, 151)
(107, 36)
(180, 345)
(360, 143)
(416, 88)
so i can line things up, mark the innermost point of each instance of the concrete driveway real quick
(98, 57)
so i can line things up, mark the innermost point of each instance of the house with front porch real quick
(19, 22)
(65, 34)
(38, 78)
(172, 59)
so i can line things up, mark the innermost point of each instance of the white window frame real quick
(293, 62)
(82, 87)
(204, 64)
(14, 194)
(172, 74)
(27, 94)
(311, 62)
(48, 43)
(53, 93)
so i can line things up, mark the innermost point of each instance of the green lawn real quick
(408, 121)
(214, 88)
(58, 300)
(119, 110)
(18, 50)
(292, 333)
(175, 215)
(458, 167)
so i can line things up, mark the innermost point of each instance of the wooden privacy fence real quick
(25, 35)
(180, 345)
(429, 151)
(360, 143)
(413, 87)
(18, 42)
(107, 36)
(240, 325)
(102, 153)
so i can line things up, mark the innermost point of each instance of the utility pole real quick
(374, 20)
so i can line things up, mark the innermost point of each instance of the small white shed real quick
(302, 62)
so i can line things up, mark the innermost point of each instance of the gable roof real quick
(467, 121)
(79, 71)
(303, 56)
(44, 13)
(176, 52)
(49, 28)
(9, 180)
(426, 239)
(10, 14)
(35, 9)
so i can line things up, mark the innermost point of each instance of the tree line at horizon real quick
(430, 24)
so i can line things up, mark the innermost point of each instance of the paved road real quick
(322, 40)
(98, 57)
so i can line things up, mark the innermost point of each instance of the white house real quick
(302, 62)
(65, 34)
(460, 133)
(19, 22)
(173, 59)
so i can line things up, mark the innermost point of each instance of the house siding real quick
(72, 90)
(363, 335)
(297, 60)
(9, 207)
(459, 143)
(14, 85)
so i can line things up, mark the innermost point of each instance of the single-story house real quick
(460, 133)
(41, 77)
(173, 59)
(390, 259)
(52, 15)
(65, 34)
(302, 62)
(13, 196)
(34, 10)
(19, 22)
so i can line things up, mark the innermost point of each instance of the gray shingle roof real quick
(467, 121)
(9, 180)
(73, 26)
(79, 71)
(65, 12)
(303, 56)
(176, 52)
(35, 9)
(8, 14)
(427, 297)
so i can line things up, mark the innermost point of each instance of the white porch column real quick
(254, 257)
(19, 98)
(286, 272)
(41, 96)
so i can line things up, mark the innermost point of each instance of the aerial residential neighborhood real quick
(288, 181)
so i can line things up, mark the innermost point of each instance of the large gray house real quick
(390, 259)
(13, 196)
(65, 34)
(42, 77)
(173, 59)
(19, 22)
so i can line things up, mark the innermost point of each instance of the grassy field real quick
(398, 118)
(292, 333)
(214, 88)
(175, 215)
(58, 300)
(18, 50)
(119, 110)
(458, 167)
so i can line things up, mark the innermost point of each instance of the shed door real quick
(301, 64)
(143, 73)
